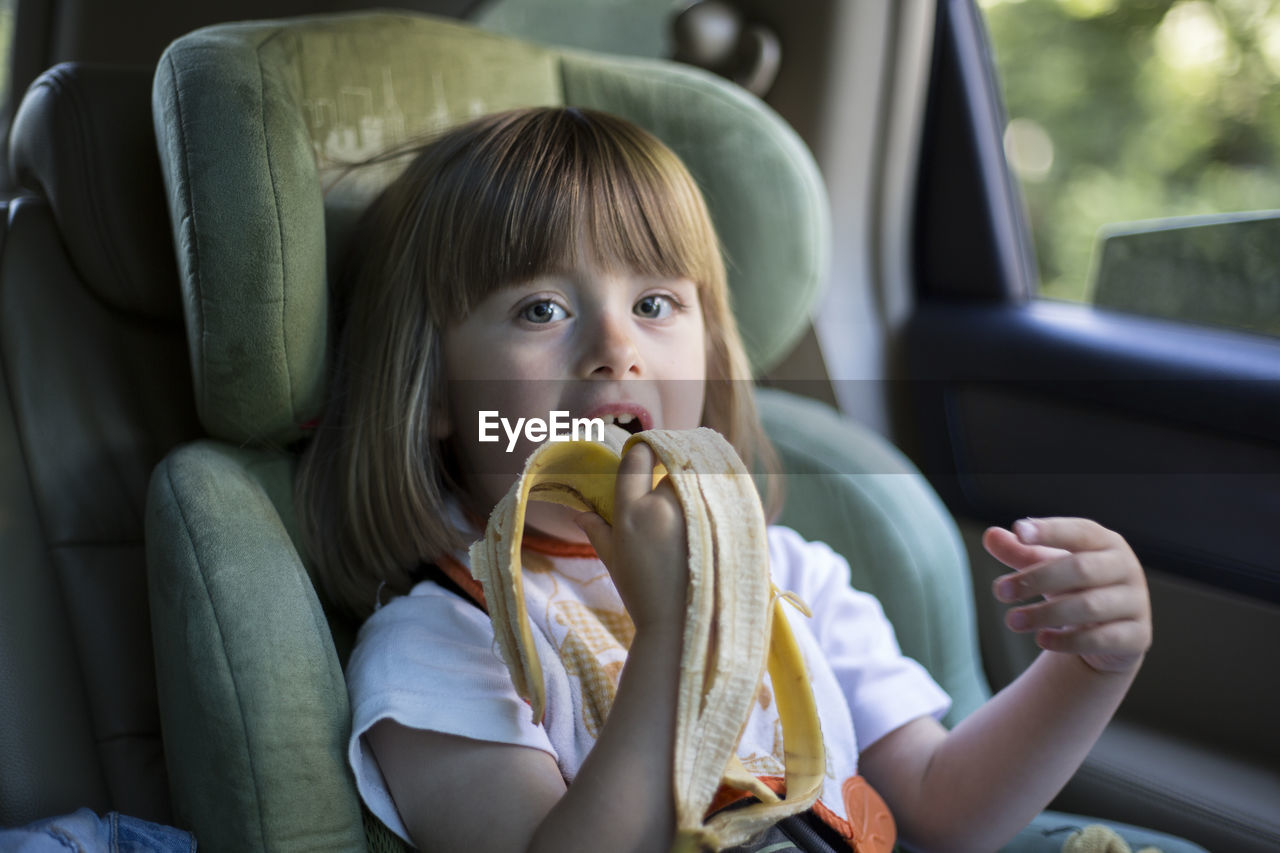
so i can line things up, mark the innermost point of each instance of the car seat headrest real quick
(83, 139)
(254, 120)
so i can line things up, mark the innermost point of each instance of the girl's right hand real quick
(646, 547)
(623, 796)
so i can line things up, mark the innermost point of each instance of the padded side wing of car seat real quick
(262, 736)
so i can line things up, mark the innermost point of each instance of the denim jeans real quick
(84, 832)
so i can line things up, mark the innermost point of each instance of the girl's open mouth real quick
(629, 422)
(632, 417)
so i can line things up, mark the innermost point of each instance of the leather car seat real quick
(94, 390)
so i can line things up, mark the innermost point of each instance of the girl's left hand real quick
(1095, 592)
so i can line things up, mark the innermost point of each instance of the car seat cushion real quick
(251, 692)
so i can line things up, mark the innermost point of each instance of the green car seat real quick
(255, 122)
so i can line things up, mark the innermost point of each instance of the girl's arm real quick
(454, 793)
(975, 787)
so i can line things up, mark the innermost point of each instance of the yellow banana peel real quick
(734, 625)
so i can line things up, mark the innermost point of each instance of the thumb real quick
(599, 534)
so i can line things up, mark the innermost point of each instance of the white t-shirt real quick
(429, 660)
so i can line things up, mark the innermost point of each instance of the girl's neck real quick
(545, 523)
(553, 521)
(552, 547)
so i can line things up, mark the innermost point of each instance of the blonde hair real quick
(487, 204)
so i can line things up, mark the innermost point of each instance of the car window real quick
(1145, 136)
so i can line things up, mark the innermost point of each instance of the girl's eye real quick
(542, 312)
(654, 307)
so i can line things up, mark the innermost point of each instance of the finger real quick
(599, 534)
(1065, 574)
(1128, 637)
(667, 488)
(1008, 549)
(1071, 534)
(1089, 607)
(635, 474)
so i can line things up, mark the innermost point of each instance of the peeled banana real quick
(734, 626)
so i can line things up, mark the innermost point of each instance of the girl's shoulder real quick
(428, 616)
(801, 565)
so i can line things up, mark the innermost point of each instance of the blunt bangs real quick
(531, 193)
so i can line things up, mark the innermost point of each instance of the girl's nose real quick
(610, 351)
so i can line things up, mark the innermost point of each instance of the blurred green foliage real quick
(1123, 110)
(6, 44)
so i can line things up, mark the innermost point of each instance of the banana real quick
(734, 625)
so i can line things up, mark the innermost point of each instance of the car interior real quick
(176, 200)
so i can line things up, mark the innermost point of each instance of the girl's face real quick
(585, 342)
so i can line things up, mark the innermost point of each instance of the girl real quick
(563, 260)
